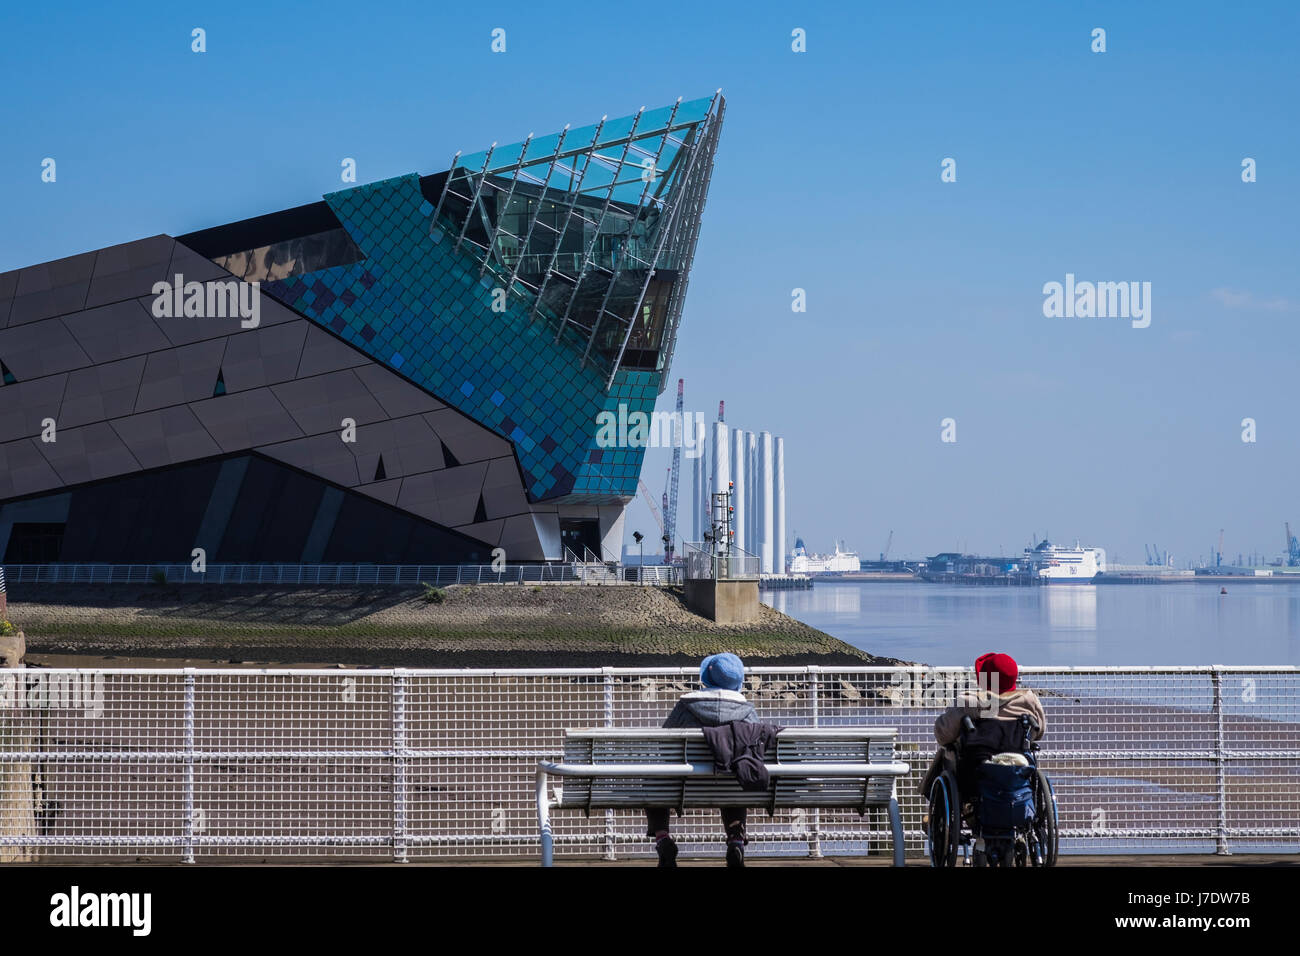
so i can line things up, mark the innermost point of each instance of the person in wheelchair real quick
(996, 725)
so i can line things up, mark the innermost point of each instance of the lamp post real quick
(640, 568)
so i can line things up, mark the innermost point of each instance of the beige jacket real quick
(947, 728)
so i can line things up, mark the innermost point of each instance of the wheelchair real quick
(989, 812)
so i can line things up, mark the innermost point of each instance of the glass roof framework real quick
(593, 228)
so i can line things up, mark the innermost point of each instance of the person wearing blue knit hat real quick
(722, 672)
(720, 702)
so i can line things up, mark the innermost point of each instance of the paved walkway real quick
(1132, 859)
(1129, 859)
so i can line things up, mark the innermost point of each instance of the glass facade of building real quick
(474, 323)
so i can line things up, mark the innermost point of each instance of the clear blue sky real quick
(924, 298)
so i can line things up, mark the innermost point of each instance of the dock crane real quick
(884, 555)
(650, 502)
(1292, 549)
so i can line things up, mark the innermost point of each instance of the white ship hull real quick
(828, 564)
(1076, 565)
(801, 562)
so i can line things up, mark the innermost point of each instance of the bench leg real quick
(544, 820)
(896, 824)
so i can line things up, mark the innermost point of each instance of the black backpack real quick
(992, 735)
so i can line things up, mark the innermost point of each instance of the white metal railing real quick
(128, 764)
(587, 557)
(703, 563)
(657, 574)
(331, 574)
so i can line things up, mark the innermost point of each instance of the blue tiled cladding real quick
(417, 305)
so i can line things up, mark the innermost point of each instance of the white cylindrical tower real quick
(719, 462)
(778, 495)
(706, 486)
(738, 495)
(751, 492)
(697, 493)
(766, 538)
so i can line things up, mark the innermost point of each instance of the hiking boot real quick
(666, 847)
(735, 853)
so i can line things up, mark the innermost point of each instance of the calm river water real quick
(1071, 625)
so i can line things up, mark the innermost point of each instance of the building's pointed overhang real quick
(593, 228)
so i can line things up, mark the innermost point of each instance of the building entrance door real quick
(579, 533)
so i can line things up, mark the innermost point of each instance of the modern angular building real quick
(416, 376)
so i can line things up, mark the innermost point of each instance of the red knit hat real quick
(1004, 665)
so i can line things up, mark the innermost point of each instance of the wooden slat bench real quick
(841, 767)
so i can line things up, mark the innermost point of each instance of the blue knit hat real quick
(722, 671)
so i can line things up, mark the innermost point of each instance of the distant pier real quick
(1015, 579)
(785, 582)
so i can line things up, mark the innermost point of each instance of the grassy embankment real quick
(483, 625)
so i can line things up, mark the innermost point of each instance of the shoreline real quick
(1223, 580)
(482, 625)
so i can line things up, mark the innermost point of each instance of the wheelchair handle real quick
(968, 724)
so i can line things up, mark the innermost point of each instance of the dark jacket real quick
(978, 704)
(711, 708)
(740, 747)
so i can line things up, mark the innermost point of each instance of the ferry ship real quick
(1055, 565)
(801, 562)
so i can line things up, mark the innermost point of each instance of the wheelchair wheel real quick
(1046, 827)
(945, 821)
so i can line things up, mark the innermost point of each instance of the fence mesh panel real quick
(346, 764)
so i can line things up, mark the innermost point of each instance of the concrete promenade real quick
(1171, 860)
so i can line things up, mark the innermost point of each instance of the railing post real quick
(1220, 759)
(609, 722)
(544, 820)
(187, 846)
(399, 765)
(814, 699)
